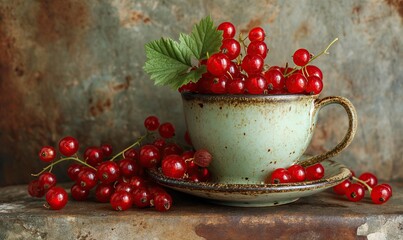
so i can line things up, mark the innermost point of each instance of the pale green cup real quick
(251, 135)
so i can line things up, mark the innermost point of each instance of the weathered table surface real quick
(322, 216)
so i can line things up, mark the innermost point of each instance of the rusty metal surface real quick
(321, 216)
(70, 67)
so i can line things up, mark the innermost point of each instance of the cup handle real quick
(352, 128)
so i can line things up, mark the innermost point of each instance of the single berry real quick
(388, 187)
(121, 201)
(235, 86)
(137, 182)
(233, 71)
(167, 130)
(275, 79)
(150, 156)
(228, 29)
(68, 146)
(218, 64)
(315, 172)
(124, 186)
(106, 149)
(47, 154)
(73, 170)
(171, 148)
(173, 166)
(314, 71)
(257, 48)
(142, 197)
(380, 194)
(56, 198)
(355, 192)
(256, 34)
(297, 172)
(314, 85)
(151, 123)
(369, 179)
(79, 194)
(131, 154)
(35, 189)
(342, 187)
(87, 178)
(218, 85)
(296, 83)
(47, 180)
(279, 175)
(93, 155)
(188, 87)
(128, 167)
(103, 192)
(252, 64)
(301, 57)
(256, 84)
(162, 202)
(159, 143)
(108, 172)
(231, 48)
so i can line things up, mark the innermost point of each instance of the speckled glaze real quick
(249, 136)
(256, 195)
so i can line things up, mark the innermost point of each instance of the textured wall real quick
(75, 68)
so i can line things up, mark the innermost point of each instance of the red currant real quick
(93, 155)
(187, 138)
(106, 149)
(314, 85)
(342, 187)
(124, 186)
(79, 194)
(296, 83)
(131, 154)
(108, 172)
(297, 172)
(228, 29)
(369, 179)
(301, 57)
(103, 192)
(128, 167)
(47, 154)
(35, 189)
(275, 79)
(173, 166)
(56, 198)
(218, 85)
(68, 146)
(256, 84)
(279, 175)
(235, 86)
(218, 64)
(47, 180)
(162, 202)
(87, 178)
(252, 64)
(151, 123)
(150, 156)
(355, 192)
(188, 87)
(121, 201)
(167, 130)
(380, 194)
(231, 48)
(142, 197)
(257, 48)
(233, 71)
(73, 170)
(171, 148)
(315, 172)
(137, 182)
(256, 34)
(388, 187)
(202, 158)
(314, 71)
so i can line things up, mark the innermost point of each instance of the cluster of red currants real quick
(296, 173)
(355, 191)
(229, 72)
(120, 179)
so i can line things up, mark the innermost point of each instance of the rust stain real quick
(100, 106)
(123, 86)
(302, 31)
(251, 24)
(397, 4)
(356, 9)
(138, 16)
(60, 19)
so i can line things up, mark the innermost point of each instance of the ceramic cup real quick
(251, 135)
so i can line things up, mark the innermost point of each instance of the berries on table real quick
(56, 198)
(355, 192)
(315, 172)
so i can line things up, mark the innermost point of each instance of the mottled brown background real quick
(75, 68)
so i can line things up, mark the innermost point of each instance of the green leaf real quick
(205, 38)
(167, 62)
(170, 62)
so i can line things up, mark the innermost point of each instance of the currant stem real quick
(363, 183)
(50, 166)
(139, 140)
(315, 57)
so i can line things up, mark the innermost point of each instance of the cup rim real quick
(246, 97)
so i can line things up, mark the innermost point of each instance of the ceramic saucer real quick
(256, 195)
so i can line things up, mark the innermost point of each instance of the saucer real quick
(256, 195)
